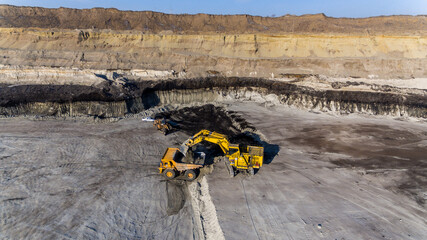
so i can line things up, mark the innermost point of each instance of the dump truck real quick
(172, 165)
(239, 157)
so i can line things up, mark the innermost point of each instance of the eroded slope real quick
(202, 45)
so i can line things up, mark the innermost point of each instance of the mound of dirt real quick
(238, 130)
(193, 119)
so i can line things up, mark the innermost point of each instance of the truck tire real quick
(190, 175)
(170, 173)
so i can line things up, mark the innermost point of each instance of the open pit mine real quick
(337, 106)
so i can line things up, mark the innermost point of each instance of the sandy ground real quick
(301, 194)
(78, 180)
(71, 180)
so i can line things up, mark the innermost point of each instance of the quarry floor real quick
(328, 177)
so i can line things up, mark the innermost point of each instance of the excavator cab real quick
(234, 150)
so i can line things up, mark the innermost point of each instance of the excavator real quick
(238, 157)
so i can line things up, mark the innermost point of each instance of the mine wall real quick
(110, 99)
(241, 55)
(202, 45)
(105, 64)
(156, 22)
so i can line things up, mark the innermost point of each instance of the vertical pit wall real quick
(263, 55)
(120, 100)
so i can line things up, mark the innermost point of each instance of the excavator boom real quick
(206, 135)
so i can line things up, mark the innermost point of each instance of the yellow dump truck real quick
(171, 165)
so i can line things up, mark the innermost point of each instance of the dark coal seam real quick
(65, 94)
(287, 89)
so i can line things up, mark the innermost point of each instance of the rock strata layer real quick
(203, 45)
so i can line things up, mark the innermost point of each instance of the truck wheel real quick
(170, 173)
(190, 175)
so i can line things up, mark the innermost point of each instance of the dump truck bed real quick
(172, 158)
(170, 154)
(185, 166)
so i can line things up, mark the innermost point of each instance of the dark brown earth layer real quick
(155, 22)
(14, 95)
(143, 95)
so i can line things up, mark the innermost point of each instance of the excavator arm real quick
(206, 135)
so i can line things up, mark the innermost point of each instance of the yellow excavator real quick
(238, 156)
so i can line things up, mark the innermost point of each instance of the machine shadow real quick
(270, 152)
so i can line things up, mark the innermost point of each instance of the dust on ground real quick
(68, 179)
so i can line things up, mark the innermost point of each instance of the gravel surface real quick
(72, 179)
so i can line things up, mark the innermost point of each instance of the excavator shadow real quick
(270, 152)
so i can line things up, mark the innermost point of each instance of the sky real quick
(332, 8)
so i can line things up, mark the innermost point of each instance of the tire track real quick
(204, 210)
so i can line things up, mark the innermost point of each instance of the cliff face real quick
(154, 22)
(256, 55)
(328, 63)
(201, 45)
